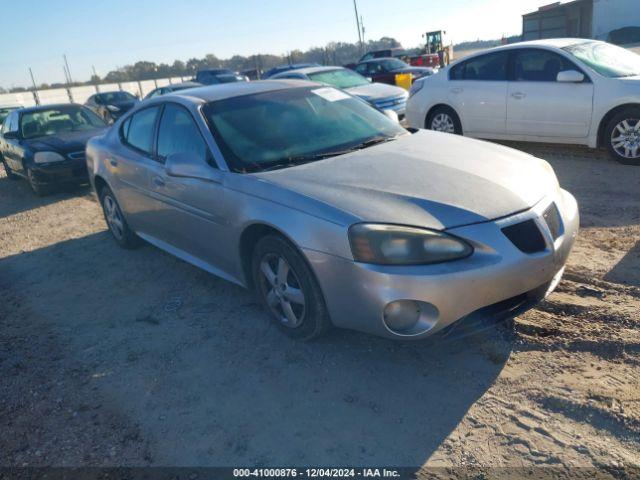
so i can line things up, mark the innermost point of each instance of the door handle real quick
(456, 90)
(113, 162)
(158, 182)
(518, 95)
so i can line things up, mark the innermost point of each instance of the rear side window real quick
(137, 131)
(178, 133)
(490, 67)
(537, 65)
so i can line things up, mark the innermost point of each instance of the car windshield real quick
(393, 64)
(114, 97)
(340, 78)
(42, 123)
(282, 128)
(606, 59)
(4, 113)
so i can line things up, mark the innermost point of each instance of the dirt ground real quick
(114, 357)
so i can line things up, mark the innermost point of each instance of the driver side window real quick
(178, 133)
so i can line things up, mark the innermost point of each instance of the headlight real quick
(416, 87)
(47, 157)
(398, 245)
(113, 108)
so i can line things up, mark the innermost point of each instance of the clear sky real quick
(111, 33)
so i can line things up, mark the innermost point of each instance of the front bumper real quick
(67, 171)
(497, 275)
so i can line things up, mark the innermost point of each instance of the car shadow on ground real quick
(194, 363)
(627, 270)
(16, 195)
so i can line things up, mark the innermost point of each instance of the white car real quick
(566, 90)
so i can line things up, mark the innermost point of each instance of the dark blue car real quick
(46, 144)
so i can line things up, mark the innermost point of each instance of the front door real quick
(191, 212)
(540, 106)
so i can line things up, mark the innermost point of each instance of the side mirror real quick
(11, 135)
(190, 165)
(370, 79)
(570, 76)
(390, 114)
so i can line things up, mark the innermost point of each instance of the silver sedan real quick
(331, 211)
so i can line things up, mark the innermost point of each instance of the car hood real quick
(427, 179)
(65, 142)
(376, 91)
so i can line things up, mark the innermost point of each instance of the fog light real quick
(402, 315)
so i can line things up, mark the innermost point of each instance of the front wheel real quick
(288, 289)
(37, 188)
(444, 119)
(622, 136)
(123, 235)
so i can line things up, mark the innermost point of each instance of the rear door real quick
(540, 106)
(478, 92)
(130, 166)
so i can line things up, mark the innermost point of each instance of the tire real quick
(120, 231)
(37, 188)
(444, 119)
(622, 136)
(106, 116)
(301, 313)
(8, 171)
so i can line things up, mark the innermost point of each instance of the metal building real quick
(582, 18)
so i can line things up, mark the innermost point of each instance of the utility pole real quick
(67, 65)
(355, 7)
(35, 88)
(97, 79)
(362, 28)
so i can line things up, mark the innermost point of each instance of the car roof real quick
(379, 59)
(111, 91)
(215, 70)
(308, 70)
(544, 43)
(182, 85)
(223, 91)
(40, 108)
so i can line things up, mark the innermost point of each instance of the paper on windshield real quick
(330, 94)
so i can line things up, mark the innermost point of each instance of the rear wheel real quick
(8, 171)
(444, 119)
(116, 222)
(288, 289)
(622, 136)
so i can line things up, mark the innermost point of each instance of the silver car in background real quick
(380, 95)
(335, 214)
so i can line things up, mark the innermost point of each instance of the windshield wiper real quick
(301, 159)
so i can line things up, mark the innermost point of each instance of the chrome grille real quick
(76, 155)
(395, 103)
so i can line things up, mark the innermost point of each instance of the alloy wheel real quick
(443, 122)
(282, 290)
(625, 138)
(114, 217)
